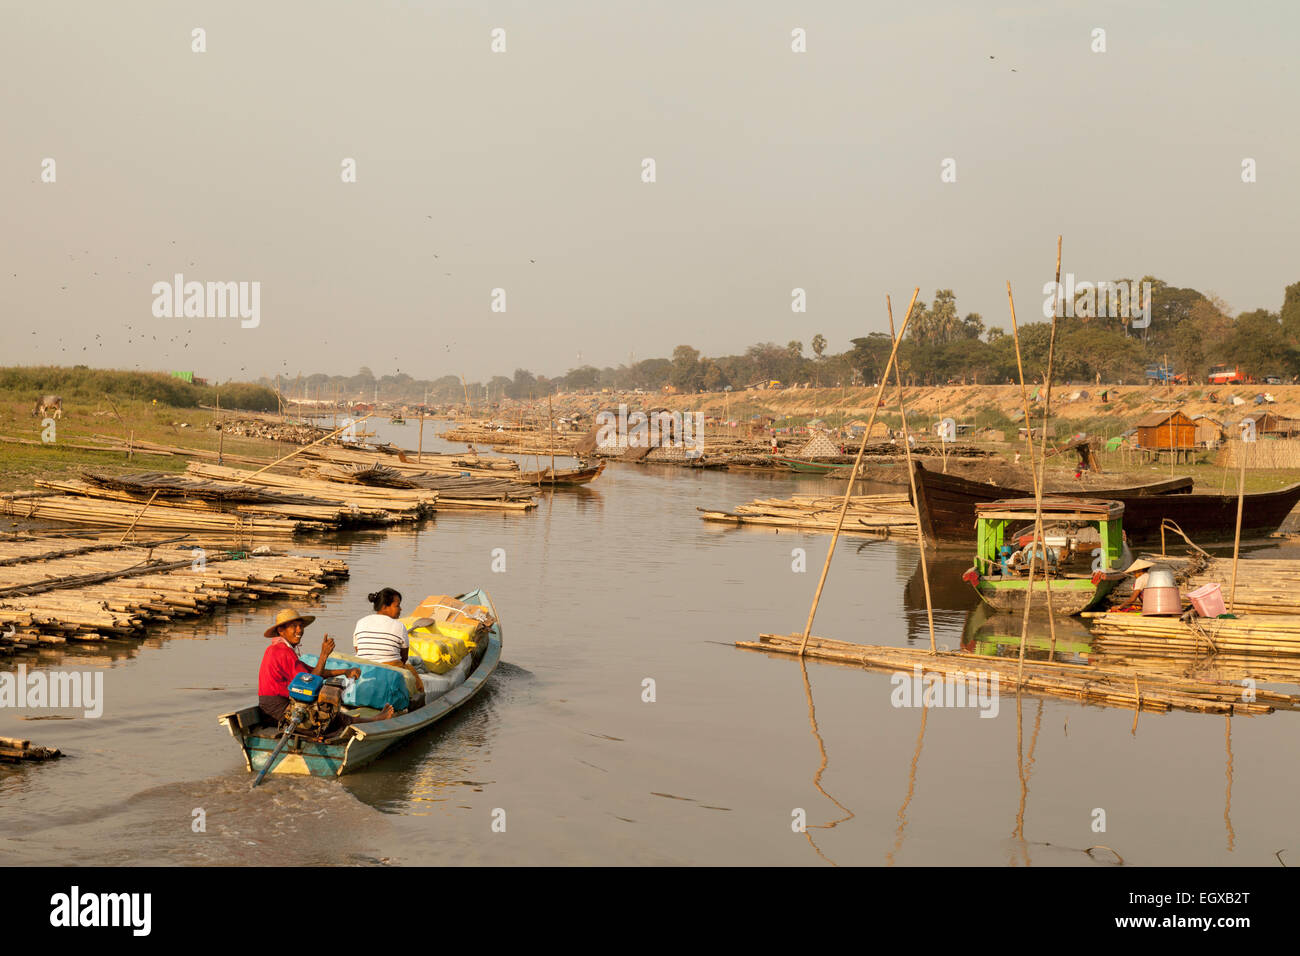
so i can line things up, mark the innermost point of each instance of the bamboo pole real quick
(1039, 535)
(132, 525)
(299, 451)
(1236, 537)
(857, 463)
(911, 477)
(419, 451)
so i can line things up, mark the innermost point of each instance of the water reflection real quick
(991, 634)
(911, 789)
(821, 768)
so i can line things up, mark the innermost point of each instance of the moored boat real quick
(946, 505)
(360, 744)
(563, 476)
(1078, 574)
(808, 466)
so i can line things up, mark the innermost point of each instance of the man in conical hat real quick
(280, 664)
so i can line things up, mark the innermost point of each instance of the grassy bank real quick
(149, 406)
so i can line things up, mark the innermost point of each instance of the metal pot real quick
(1160, 577)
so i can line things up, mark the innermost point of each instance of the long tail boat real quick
(947, 507)
(361, 743)
(807, 466)
(1079, 577)
(562, 476)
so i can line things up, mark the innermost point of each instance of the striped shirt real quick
(379, 638)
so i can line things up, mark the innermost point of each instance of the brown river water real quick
(605, 588)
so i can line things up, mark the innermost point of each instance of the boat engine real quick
(314, 703)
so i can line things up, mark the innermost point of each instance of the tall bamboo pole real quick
(911, 477)
(1236, 537)
(1038, 497)
(857, 463)
(419, 450)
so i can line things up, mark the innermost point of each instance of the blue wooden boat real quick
(361, 743)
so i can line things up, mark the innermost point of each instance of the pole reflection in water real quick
(1025, 770)
(817, 777)
(1227, 798)
(911, 786)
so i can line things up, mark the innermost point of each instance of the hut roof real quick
(1158, 418)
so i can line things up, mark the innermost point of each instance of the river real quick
(604, 589)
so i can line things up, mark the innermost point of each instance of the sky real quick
(522, 171)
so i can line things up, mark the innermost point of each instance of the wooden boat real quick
(1002, 554)
(563, 476)
(361, 743)
(397, 420)
(946, 504)
(807, 466)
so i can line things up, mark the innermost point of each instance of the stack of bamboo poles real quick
(1157, 692)
(53, 590)
(13, 750)
(404, 460)
(101, 513)
(443, 492)
(402, 503)
(880, 515)
(320, 515)
(1272, 635)
(1264, 585)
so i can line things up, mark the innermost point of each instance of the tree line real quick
(1189, 330)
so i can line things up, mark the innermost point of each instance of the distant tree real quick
(972, 327)
(685, 374)
(818, 345)
(1291, 313)
(523, 385)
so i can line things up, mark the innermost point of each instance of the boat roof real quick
(1083, 509)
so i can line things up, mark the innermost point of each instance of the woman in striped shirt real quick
(381, 637)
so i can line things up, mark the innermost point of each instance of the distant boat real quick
(397, 420)
(807, 466)
(1004, 531)
(563, 476)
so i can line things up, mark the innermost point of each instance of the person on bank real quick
(381, 637)
(280, 664)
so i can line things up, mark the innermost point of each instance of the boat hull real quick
(1070, 596)
(946, 505)
(367, 741)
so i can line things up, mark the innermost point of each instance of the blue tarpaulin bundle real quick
(377, 686)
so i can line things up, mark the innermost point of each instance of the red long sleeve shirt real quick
(279, 665)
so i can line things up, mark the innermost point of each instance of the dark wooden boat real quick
(947, 502)
(562, 476)
(947, 508)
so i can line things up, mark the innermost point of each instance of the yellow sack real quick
(465, 632)
(439, 654)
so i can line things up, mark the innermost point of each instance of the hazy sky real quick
(775, 170)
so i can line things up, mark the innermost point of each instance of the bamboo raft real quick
(99, 513)
(408, 504)
(54, 590)
(431, 491)
(13, 750)
(1109, 687)
(880, 515)
(257, 503)
(1271, 635)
